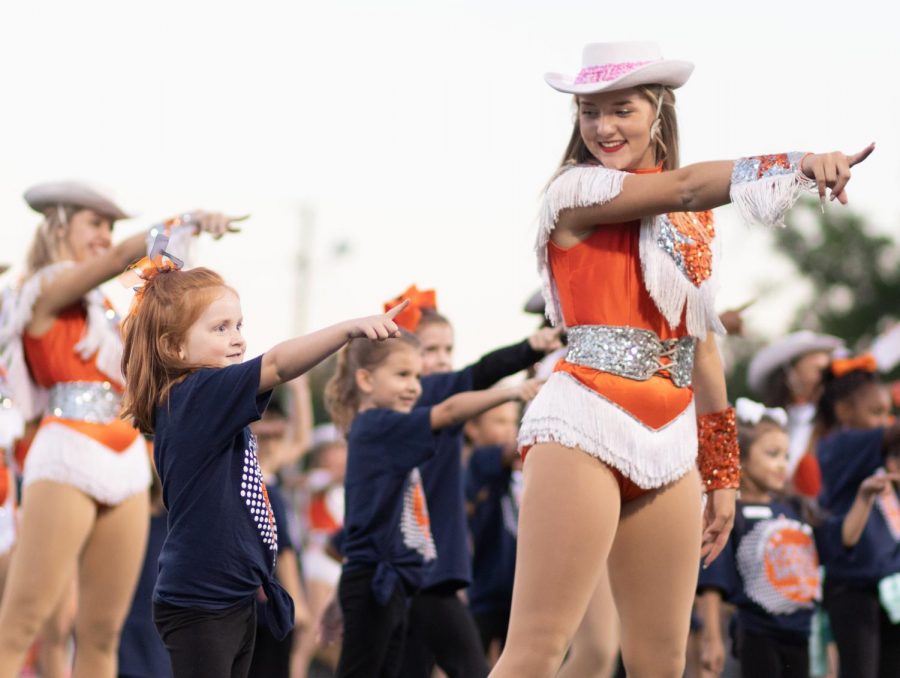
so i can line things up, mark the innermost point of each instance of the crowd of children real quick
(168, 507)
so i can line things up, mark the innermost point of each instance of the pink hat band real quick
(608, 72)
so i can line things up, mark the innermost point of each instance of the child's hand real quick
(215, 223)
(872, 486)
(527, 390)
(546, 339)
(377, 327)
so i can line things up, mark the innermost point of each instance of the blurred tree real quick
(856, 274)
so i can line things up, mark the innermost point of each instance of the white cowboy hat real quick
(785, 351)
(609, 66)
(42, 196)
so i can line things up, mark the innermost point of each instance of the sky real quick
(378, 144)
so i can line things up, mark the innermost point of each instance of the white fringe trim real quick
(8, 520)
(579, 186)
(101, 339)
(765, 201)
(671, 290)
(12, 426)
(570, 414)
(66, 456)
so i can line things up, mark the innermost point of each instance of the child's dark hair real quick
(748, 433)
(341, 392)
(837, 388)
(167, 307)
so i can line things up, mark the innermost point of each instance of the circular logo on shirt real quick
(778, 562)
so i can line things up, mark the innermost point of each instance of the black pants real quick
(373, 633)
(208, 643)
(492, 626)
(271, 657)
(868, 643)
(442, 632)
(771, 658)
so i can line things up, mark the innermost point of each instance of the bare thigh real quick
(653, 565)
(567, 521)
(56, 521)
(595, 647)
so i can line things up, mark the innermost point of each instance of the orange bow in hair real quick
(863, 363)
(147, 268)
(409, 318)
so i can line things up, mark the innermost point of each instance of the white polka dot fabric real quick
(256, 499)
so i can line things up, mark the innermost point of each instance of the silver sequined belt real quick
(91, 401)
(631, 352)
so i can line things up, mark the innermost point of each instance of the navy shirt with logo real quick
(769, 571)
(847, 458)
(443, 475)
(222, 542)
(492, 494)
(386, 521)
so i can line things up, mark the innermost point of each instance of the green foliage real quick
(856, 274)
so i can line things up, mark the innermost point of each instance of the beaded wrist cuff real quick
(718, 458)
(762, 166)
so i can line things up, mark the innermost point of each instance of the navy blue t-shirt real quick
(444, 487)
(280, 513)
(222, 543)
(846, 459)
(386, 518)
(494, 525)
(769, 571)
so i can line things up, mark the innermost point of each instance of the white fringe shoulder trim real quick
(671, 290)
(101, 339)
(568, 413)
(63, 455)
(579, 186)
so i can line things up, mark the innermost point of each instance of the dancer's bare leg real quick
(653, 567)
(318, 595)
(108, 574)
(567, 521)
(54, 644)
(56, 521)
(595, 647)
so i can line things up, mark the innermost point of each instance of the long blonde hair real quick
(45, 245)
(664, 136)
(170, 303)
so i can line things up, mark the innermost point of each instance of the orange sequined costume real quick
(622, 293)
(70, 377)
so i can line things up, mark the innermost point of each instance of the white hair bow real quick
(751, 412)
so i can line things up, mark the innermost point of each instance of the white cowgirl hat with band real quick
(609, 66)
(50, 194)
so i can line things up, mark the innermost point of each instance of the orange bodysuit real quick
(70, 376)
(653, 275)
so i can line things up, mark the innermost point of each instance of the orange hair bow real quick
(409, 318)
(147, 268)
(863, 363)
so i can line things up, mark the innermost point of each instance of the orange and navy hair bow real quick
(410, 317)
(863, 363)
(147, 268)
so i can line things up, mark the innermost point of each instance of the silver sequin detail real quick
(92, 401)
(668, 238)
(631, 352)
(747, 169)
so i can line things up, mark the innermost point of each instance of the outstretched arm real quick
(76, 281)
(291, 358)
(697, 187)
(462, 406)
